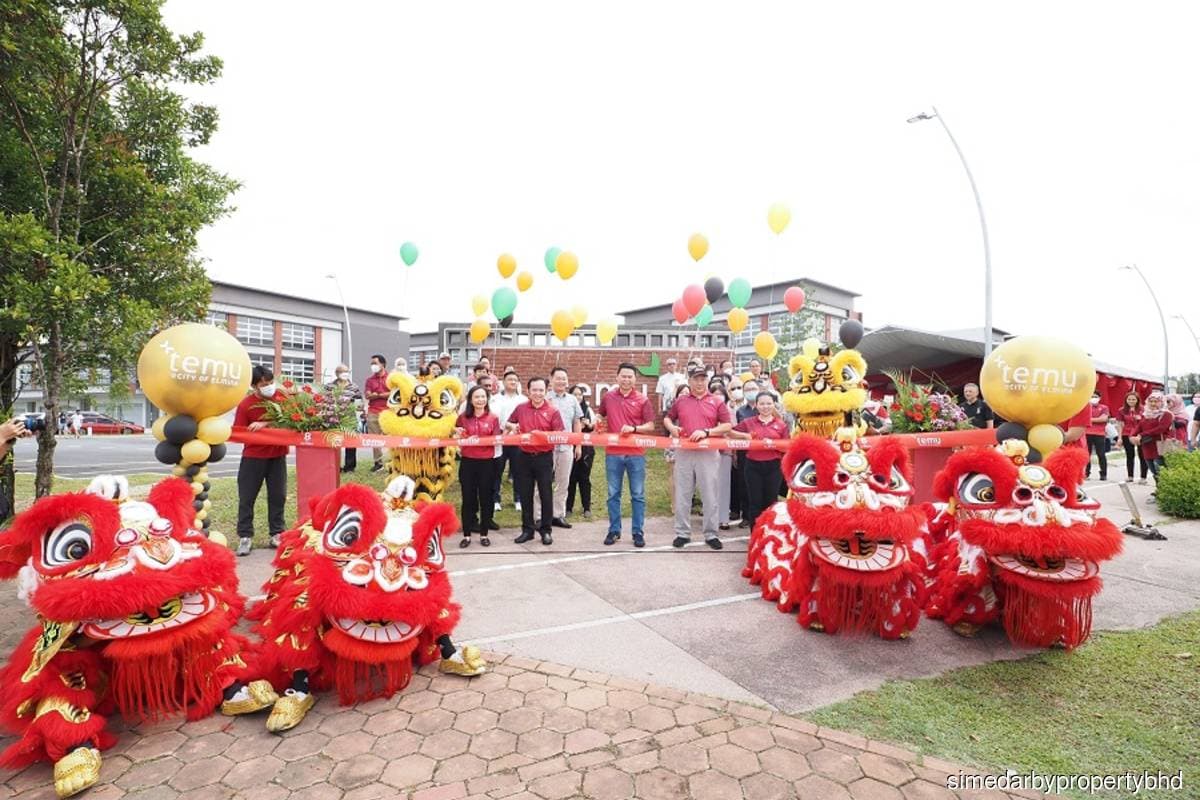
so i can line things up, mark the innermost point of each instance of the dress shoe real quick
(714, 543)
(680, 541)
(493, 525)
(546, 538)
(559, 522)
(525, 536)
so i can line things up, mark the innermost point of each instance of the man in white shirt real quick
(669, 383)
(565, 455)
(502, 405)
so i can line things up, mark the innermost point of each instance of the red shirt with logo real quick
(693, 414)
(775, 429)
(1096, 428)
(620, 410)
(252, 409)
(487, 425)
(377, 383)
(542, 418)
(1081, 420)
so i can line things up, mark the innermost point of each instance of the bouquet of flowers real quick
(920, 409)
(311, 408)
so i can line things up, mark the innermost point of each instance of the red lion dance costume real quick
(1022, 545)
(136, 610)
(845, 549)
(358, 596)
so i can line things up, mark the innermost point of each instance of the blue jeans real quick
(615, 468)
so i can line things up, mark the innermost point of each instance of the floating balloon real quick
(194, 369)
(578, 315)
(778, 217)
(479, 305)
(214, 430)
(504, 323)
(551, 258)
(705, 315)
(524, 281)
(480, 330)
(195, 451)
(713, 289)
(606, 331)
(562, 324)
(765, 345)
(679, 311)
(694, 299)
(1045, 438)
(504, 302)
(409, 253)
(507, 265)
(794, 299)
(739, 292)
(738, 319)
(697, 246)
(850, 333)
(566, 265)
(1037, 379)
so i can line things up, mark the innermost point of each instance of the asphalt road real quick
(87, 457)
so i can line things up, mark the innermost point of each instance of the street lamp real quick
(987, 251)
(346, 312)
(1183, 319)
(1162, 319)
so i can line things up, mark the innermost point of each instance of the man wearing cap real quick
(444, 362)
(669, 383)
(697, 416)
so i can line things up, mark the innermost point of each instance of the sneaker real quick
(244, 546)
(680, 541)
(1142, 482)
(518, 506)
(587, 514)
(714, 543)
(497, 507)
(639, 540)
(612, 537)
(274, 540)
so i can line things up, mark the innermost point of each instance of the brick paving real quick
(528, 730)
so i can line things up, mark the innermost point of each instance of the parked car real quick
(102, 423)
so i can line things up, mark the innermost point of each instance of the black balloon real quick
(1034, 457)
(1011, 430)
(216, 452)
(167, 453)
(851, 333)
(192, 470)
(713, 289)
(504, 323)
(197, 504)
(180, 429)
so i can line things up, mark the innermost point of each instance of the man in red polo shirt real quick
(697, 416)
(1097, 439)
(375, 390)
(535, 462)
(626, 410)
(261, 463)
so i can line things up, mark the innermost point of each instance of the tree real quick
(101, 202)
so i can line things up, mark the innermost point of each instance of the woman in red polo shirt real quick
(476, 471)
(261, 463)
(763, 473)
(535, 461)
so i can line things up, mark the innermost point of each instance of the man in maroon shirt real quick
(697, 416)
(1097, 439)
(260, 463)
(375, 390)
(535, 461)
(626, 410)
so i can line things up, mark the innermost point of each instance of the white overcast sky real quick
(618, 129)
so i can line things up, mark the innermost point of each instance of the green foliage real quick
(1179, 485)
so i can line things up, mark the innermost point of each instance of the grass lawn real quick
(1124, 701)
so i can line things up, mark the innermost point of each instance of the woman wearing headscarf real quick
(1157, 424)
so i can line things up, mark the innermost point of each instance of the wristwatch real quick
(706, 433)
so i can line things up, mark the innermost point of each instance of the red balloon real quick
(681, 314)
(793, 298)
(694, 299)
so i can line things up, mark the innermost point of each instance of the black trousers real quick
(762, 486)
(1098, 444)
(1132, 450)
(581, 478)
(738, 506)
(475, 476)
(530, 469)
(351, 459)
(252, 473)
(508, 455)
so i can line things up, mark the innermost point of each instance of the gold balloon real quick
(479, 305)
(578, 315)
(738, 319)
(157, 427)
(562, 323)
(178, 471)
(197, 487)
(507, 266)
(201, 514)
(194, 369)
(218, 538)
(566, 265)
(778, 217)
(1037, 379)
(480, 330)
(524, 281)
(195, 452)
(606, 331)
(765, 345)
(214, 430)
(1045, 438)
(697, 246)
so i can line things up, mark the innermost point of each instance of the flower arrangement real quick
(920, 409)
(310, 408)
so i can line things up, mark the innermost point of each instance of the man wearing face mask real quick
(376, 392)
(261, 463)
(342, 386)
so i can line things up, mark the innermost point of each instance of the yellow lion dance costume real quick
(428, 409)
(827, 391)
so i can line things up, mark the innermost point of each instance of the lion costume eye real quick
(433, 549)
(977, 489)
(345, 529)
(893, 483)
(66, 544)
(394, 399)
(447, 399)
(849, 375)
(805, 475)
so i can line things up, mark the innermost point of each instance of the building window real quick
(255, 330)
(218, 318)
(522, 340)
(262, 360)
(297, 337)
(300, 370)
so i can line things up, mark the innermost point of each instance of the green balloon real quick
(551, 258)
(504, 302)
(739, 292)
(409, 252)
(704, 316)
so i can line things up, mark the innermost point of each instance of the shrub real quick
(1179, 485)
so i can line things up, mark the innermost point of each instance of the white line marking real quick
(595, 623)
(590, 556)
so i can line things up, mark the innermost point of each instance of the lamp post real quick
(1162, 319)
(987, 251)
(1183, 319)
(346, 313)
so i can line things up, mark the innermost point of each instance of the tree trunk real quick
(43, 481)
(8, 374)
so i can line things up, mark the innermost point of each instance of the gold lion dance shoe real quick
(76, 771)
(466, 661)
(289, 710)
(254, 696)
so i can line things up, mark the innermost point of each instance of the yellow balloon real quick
(178, 471)
(1037, 379)
(479, 305)
(765, 345)
(746, 376)
(507, 266)
(1045, 438)
(201, 514)
(480, 330)
(157, 427)
(197, 487)
(524, 281)
(778, 217)
(214, 430)
(578, 315)
(218, 538)
(194, 369)
(562, 323)
(606, 331)
(566, 265)
(195, 452)
(697, 246)
(738, 319)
